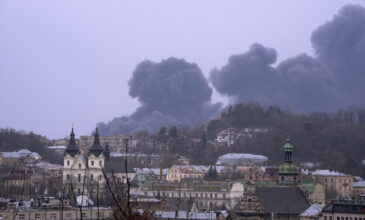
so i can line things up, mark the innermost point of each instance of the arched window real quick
(79, 165)
(92, 177)
(92, 163)
(99, 177)
(79, 178)
(68, 163)
(99, 162)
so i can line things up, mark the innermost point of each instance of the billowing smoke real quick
(171, 92)
(340, 46)
(175, 92)
(334, 78)
(249, 76)
(307, 85)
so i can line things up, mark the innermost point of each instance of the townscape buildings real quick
(236, 186)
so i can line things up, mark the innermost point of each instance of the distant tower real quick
(288, 172)
(73, 166)
(96, 160)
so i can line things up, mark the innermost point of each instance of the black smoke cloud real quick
(171, 92)
(333, 78)
(340, 45)
(249, 76)
(307, 85)
(175, 92)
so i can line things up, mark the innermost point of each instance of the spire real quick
(288, 171)
(72, 148)
(72, 142)
(96, 148)
(96, 138)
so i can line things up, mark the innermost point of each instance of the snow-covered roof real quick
(49, 166)
(60, 147)
(21, 153)
(249, 156)
(136, 155)
(359, 184)
(186, 215)
(313, 211)
(327, 173)
(150, 171)
(234, 158)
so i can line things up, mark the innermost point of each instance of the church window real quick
(100, 163)
(68, 163)
(99, 177)
(92, 163)
(79, 178)
(79, 165)
(92, 177)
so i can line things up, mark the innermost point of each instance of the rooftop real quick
(359, 184)
(327, 173)
(313, 211)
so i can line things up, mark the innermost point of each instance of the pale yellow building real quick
(179, 172)
(333, 180)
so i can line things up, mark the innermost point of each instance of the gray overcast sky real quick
(64, 62)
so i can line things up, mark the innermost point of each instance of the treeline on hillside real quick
(335, 140)
(12, 140)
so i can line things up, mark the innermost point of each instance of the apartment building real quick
(206, 195)
(332, 180)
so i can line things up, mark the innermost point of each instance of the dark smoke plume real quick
(334, 78)
(175, 92)
(307, 85)
(171, 92)
(340, 46)
(249, 76)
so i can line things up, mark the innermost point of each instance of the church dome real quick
(288, 168)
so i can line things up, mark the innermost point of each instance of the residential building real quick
(113, 141)
(17, 157)
(344, 209)
(230, 135)
(180, 172)
(138, 159)
(335, 181)
(358, 188)
(59, 149)
(50, 208)
(206, 195)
